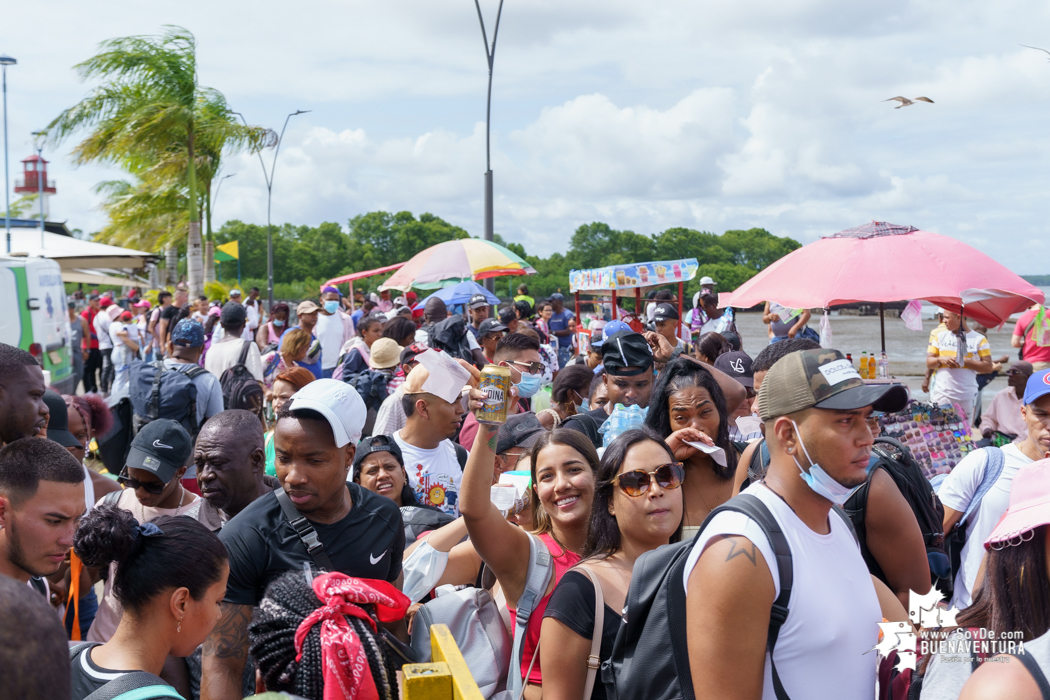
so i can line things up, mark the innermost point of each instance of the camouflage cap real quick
(823, 378)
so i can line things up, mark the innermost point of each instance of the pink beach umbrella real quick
(880, 262)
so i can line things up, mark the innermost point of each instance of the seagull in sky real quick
(904, 101)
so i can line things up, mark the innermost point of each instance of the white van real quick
(34, 316)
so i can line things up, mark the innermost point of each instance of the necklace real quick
(182, 498)
(701, 494)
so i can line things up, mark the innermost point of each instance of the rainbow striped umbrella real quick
(452, 262)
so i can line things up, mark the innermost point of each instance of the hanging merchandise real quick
(826, 339)
(937, 436)
(1041, 329)
(912, 315)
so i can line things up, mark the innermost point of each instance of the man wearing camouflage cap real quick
(815, 407)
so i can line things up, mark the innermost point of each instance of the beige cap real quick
(385, 353)
(306, 307)
(415, 380)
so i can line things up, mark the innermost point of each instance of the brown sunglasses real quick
(636, 483)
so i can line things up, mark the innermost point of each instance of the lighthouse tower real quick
(34, 173)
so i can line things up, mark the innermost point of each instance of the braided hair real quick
(288, 601)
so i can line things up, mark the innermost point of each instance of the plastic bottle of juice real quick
(871, 365)
(863, 369)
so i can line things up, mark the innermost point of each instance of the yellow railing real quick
(447, 678)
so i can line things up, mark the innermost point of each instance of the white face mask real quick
(819, 480)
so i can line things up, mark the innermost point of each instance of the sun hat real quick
(114, 311)
(1029, 506)
(823, 378)
(385, 353)
(338, 402)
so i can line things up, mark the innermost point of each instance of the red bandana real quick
(343, 660)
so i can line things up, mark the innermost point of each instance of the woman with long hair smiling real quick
(563, 465)
(637, 508)
(687, 405)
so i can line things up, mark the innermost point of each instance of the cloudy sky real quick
(645, 115)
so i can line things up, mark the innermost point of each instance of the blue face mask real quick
(584, 407)
(331, 306)
(277, 322)
(819, 480)
(529, 385)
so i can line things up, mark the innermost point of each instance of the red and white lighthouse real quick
(34, 174)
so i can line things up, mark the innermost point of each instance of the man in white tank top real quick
(815, 408)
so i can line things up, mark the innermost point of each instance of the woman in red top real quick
(563, 465)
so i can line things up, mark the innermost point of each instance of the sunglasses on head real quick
(154, 487)
(636, 483)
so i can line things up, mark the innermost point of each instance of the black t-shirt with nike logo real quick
(367, 543)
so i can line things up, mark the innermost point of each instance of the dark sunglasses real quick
(533, 367)
(635, 483)
(154, 487)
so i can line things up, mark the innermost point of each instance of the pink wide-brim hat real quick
(1029, 506)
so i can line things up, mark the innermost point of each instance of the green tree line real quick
(305, 256)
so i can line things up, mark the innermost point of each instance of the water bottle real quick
(884, 366)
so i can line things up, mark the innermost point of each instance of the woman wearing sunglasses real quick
(687, 405)
(563, 465)
(637, 508)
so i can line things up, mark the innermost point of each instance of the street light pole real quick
(269, 198)
(6, 61)
(490, 55)
(38, 143)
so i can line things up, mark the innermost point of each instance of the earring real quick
(790, 450)
(178, 630)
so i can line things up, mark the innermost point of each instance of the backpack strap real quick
(756, 510)
(1036, 670)
(111, 498)
(993, 467)
(244, 352)
(537, 578)
(306, 532)
(461, 455)
(594, 660)
(137, 685)
(153, 405)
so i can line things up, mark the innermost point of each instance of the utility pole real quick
(490, 55)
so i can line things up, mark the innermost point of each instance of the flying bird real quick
(904, 101)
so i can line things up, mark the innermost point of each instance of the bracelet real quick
(554, 415)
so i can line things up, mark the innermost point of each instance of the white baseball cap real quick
(339, 403)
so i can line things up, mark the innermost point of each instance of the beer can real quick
(495, 382)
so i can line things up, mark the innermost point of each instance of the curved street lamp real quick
(269, 198)
(6, 61)
(490, 55)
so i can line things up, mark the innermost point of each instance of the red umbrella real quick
(885, 262)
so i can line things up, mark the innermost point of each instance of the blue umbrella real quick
(460, 294)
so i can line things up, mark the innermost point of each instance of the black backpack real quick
(898, 462)
(372, 386)
(158, 392)
(450, 335)
(650, 657)
(239, 388)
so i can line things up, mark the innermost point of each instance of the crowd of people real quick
(251, 502)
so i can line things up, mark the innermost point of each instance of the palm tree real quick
(151, 118)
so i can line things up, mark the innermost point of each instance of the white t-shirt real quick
(253, 315)
(834, 612)
(225, 354)
(951, 385)
(434, 474)
(956, 492)
(329, 331)
(102, 323)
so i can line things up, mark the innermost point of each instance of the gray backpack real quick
(480, 632)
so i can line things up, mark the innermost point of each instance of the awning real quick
(115, 278)
(361, 275)
(75, 253)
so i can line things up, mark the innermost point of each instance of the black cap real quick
(477, 301)
(520, 430)
(490, 325)
(161, 447)
(233, 314)
(665, 312)
(737, 364)
(626, 349)
(409, 352)
(507, 315)
(376, 443)
(58, 423)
